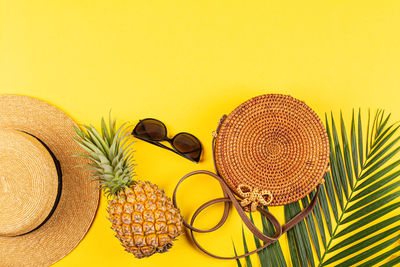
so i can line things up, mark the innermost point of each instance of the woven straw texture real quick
(273, 142)
(29, 183)
(79, 198)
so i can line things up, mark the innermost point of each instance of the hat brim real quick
(79, 198)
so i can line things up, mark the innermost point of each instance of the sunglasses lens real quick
(151, 129)
(188, 145)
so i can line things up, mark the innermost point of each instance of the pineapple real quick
(142, 216)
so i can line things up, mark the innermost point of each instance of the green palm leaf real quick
(265, 258)
(274, 250)
(361, 187)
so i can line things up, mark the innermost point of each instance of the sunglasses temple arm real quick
(157, 144)
(170, 149)
(165, 147)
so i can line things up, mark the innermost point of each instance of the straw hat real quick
(46, 205)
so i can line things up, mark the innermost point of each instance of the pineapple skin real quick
(144, 219)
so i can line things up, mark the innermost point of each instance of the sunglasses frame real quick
(169, 140)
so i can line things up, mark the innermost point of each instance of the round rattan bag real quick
(271, 150)
(275, 144)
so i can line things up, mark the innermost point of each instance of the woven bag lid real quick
(276, 143)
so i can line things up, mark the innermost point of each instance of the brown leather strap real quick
(232, 199)
(215, 133)
(229, 198)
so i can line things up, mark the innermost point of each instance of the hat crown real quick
(28, 182)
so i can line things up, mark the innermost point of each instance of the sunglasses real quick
(154, 131)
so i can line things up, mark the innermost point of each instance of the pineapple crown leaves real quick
(110, 154)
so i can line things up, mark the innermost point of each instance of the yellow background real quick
(187, 63)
